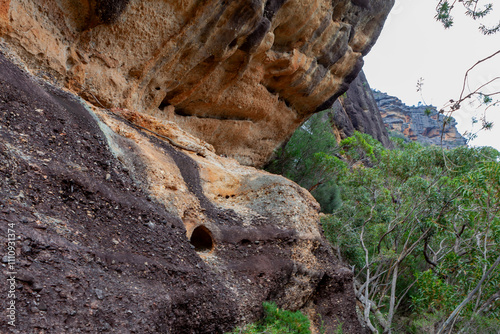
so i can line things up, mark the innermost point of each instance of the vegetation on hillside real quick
(277, 321)
(311, 158)
(419, 225)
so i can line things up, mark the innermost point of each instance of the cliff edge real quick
(240, 75)
(419, 123)
(357, 110)
(128, 132)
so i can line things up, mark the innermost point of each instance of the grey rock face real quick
(357, 110)
(418, 123)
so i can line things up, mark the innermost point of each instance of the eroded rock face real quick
(240, 75)
(357, 110)
(418, 123)
(118, 230)
(123, 230)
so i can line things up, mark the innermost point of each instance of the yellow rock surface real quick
(240, 75)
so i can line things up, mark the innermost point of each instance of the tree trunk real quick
(393, 298)
(468, 298)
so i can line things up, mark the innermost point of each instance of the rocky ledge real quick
(119, 230)
(240, 75)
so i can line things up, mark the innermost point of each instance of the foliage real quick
(476, 9)
(339, 329)
(328, 196)
(310, 158)
(277, 321)
(432, 294)
(482, 325)
(420, 225)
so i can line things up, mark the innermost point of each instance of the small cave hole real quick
(181, 112)
(201, 239)
(233, 43)
(246, 242)
(163, 105)
(157, 88)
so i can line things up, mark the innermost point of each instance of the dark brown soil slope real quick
(94, 252)
(87, 256)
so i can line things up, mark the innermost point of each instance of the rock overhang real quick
(240, 75)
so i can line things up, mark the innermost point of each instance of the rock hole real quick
(201, 239)
(163, 105)
(245, 242)
(181, 112)
(233, 43)
(157, 88)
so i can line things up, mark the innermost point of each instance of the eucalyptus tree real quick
(421, 228)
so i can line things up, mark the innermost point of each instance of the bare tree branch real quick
(469, 297)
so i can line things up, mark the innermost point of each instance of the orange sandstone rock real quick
(240, 75)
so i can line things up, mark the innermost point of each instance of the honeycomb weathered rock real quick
(240, 75)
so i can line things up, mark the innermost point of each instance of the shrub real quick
(277, 321)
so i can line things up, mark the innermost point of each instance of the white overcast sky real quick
(413, 45)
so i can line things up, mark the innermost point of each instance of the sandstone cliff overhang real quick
(119, 231)
(240, 75)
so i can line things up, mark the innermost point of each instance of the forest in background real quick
(418, 225)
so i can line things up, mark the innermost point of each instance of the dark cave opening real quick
(201, 239)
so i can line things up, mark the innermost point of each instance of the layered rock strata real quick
(357, 110)
(419, 123)
(121, 230)
(240, 75)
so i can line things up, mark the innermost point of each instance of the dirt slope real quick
(98, 251)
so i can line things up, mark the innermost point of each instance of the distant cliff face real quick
(421, 123)
(357, 110)
(240, 75)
